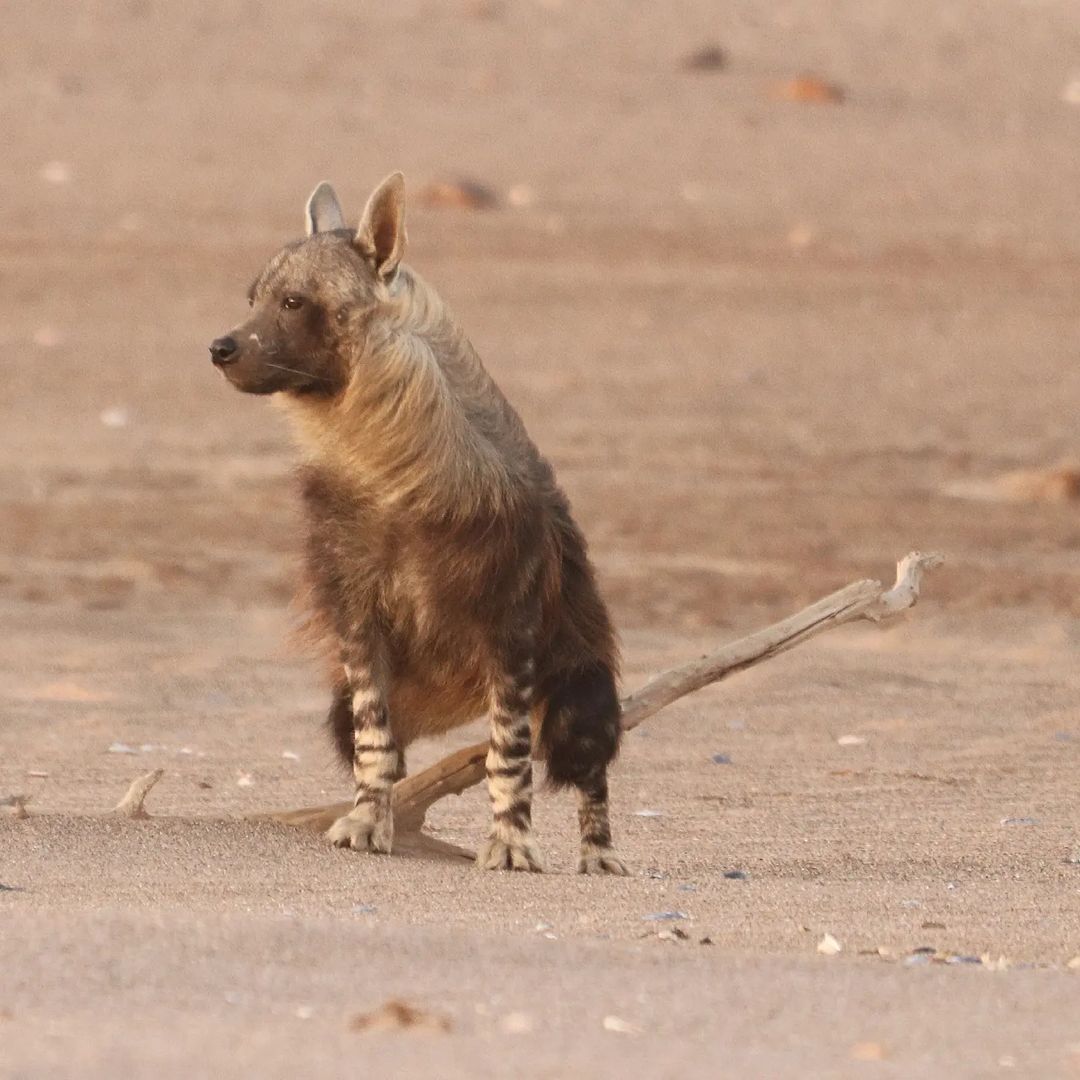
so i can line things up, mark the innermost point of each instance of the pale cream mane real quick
(420, 424)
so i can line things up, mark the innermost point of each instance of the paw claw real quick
(364, 828)
(498, 854)
(602, 862)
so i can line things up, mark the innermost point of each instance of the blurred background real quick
(784, 289)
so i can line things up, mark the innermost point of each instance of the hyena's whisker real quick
(296, 371)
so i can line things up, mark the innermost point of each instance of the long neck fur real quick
(421, 426)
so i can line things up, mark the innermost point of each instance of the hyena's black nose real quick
(223, 351)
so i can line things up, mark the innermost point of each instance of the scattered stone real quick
(932, 925)
(1054, 484)
(245, 780)
(458, 195)
(56, 172)
(1019, 821)
(290, 755)
(397, 1015)
(521, 196)
(721, 759)
(47, 337)
(121, 748)
(517, 1023)
(707, 58)
(115, 417)
(829, 946)
(620, 1026)
(961, 959)
(706, 941)
(916, 960)
(1074, 964)
(851, 740)
(736, 875)
(665, 916)
(809, 90)
(867, 1051)
(648, 813)
(364, 909)
(687, 886)
(37, 774)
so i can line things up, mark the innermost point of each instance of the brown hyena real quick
(446, 575)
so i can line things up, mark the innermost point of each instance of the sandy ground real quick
(769, 346)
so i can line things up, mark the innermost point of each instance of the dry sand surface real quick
(769, 344)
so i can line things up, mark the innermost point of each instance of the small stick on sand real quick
(461, 770)
(18, 806)
(131, 805)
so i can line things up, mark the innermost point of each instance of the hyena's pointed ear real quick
(381, 235)
(323, 212)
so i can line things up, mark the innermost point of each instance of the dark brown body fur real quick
(446, 576)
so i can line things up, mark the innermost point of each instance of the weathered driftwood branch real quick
(459, 771)
(131, 805)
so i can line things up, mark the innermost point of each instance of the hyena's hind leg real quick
(597, 854)
(376, 760)
(580, 735)
(510, 844)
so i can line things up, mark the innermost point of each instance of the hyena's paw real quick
(366, 827)
(517, 853)
(596, 860)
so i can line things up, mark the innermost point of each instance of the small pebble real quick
(688, 886)
(850, 740)
(648, 813)
(115, 417)
(121, 748)
(829, 946)
(245, 780)
(363, 909)
(48, 337)
(721, 759)
(517, 1023)
(665, 916)
(622, 1027)
(56, 172)
(707, 58)
(1019, 821)
(290, 755)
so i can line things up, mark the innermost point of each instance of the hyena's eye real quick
(291, 303)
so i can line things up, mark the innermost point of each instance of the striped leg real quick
(509, 773)
(377, 763)
(597, 856)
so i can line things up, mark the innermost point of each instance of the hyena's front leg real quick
(377, 763)
(509, 769)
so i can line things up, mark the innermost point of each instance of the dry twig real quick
(131, 805)
(461, 770)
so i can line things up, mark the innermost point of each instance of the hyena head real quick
(311, 297)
